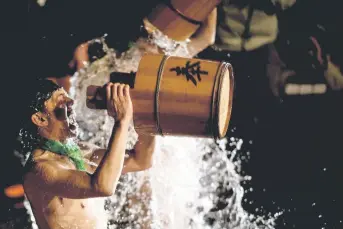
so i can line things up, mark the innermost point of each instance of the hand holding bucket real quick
(176, 96)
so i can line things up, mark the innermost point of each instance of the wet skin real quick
(53, 211)
(60, 195)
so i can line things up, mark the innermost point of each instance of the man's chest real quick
(75, 207)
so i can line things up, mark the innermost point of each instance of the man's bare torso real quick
(54, 212)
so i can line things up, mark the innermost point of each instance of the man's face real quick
(61, 116)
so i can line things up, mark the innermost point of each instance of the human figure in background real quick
(308, 79)
(287, 147)
(303, 59)
(80, 59)
(244, 31)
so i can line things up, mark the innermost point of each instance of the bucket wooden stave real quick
(167, 101)
(179, 19)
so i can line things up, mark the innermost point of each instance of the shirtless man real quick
(59, 183)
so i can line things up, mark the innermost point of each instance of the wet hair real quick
(42, 90)
(34, 101)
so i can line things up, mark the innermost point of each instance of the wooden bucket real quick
(179, 19)
(178, 96)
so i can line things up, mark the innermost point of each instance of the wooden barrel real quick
(179, 96)
(179, 19)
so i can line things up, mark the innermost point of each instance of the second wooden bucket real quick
(179, 19)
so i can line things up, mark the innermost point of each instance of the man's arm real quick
(53, 177)
(204, 36)
(140, 157)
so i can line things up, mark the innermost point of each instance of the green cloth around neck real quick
(70, 149)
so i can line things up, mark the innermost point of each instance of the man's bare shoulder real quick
(41, 158)
(43, 164)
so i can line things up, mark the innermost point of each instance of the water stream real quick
(189, 175)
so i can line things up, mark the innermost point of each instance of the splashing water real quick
(189, 175)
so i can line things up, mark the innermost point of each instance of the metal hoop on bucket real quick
(157, 95)
(178, 12)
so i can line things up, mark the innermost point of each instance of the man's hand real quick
(55, 178)
(119, 104)
(204, 36)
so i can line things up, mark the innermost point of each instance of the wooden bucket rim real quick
(224, 66)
